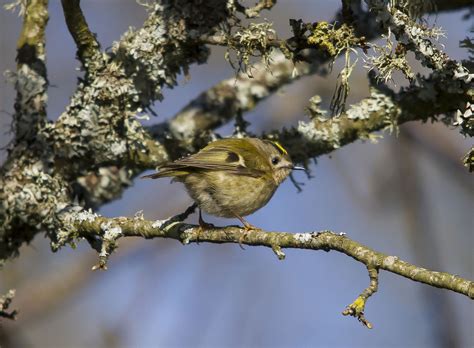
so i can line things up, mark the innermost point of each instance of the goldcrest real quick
(231, 178)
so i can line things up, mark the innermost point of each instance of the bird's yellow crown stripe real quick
(278, 145)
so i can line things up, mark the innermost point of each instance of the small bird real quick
(231, 178)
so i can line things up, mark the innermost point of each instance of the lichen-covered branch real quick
(381, 110)
(416, 38)
(99, 128)
(242, 93)
(98, 144)
(187, 131)
(31, 82)
(88, 48)
(92, 226)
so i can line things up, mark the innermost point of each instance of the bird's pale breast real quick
(222, 194)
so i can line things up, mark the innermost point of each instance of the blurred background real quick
(408, 196)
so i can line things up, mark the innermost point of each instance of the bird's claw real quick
(247, 228)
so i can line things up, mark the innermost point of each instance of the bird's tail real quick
(152, 176)
(165, 173)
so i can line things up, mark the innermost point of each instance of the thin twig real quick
(87, 45)
(356, 308)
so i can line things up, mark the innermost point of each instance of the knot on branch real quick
(110, 233)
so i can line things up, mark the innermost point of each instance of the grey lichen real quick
(417, 38)
(375, 103)
(30, 200)
(378, 111)
(329, 134)
(109, 236)
(251, 41)
(303, 237)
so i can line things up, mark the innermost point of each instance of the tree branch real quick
(99, 127)
(381, 110)
(92, 226)
(415, 37)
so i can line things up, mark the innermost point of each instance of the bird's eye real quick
(275, 160)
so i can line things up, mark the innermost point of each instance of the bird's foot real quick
(247, 228)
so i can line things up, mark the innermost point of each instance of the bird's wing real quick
(218, 157)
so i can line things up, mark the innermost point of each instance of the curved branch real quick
(356, 308)
(101, 229)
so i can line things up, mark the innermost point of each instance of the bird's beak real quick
(298, 168)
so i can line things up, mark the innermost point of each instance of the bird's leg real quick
(203, 225)
(247, 228)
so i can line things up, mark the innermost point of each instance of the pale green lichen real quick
(388, 60)
(329, 134)
(416, 37)
(332, 39)
(375, 104)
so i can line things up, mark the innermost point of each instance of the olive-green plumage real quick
(231, 177)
